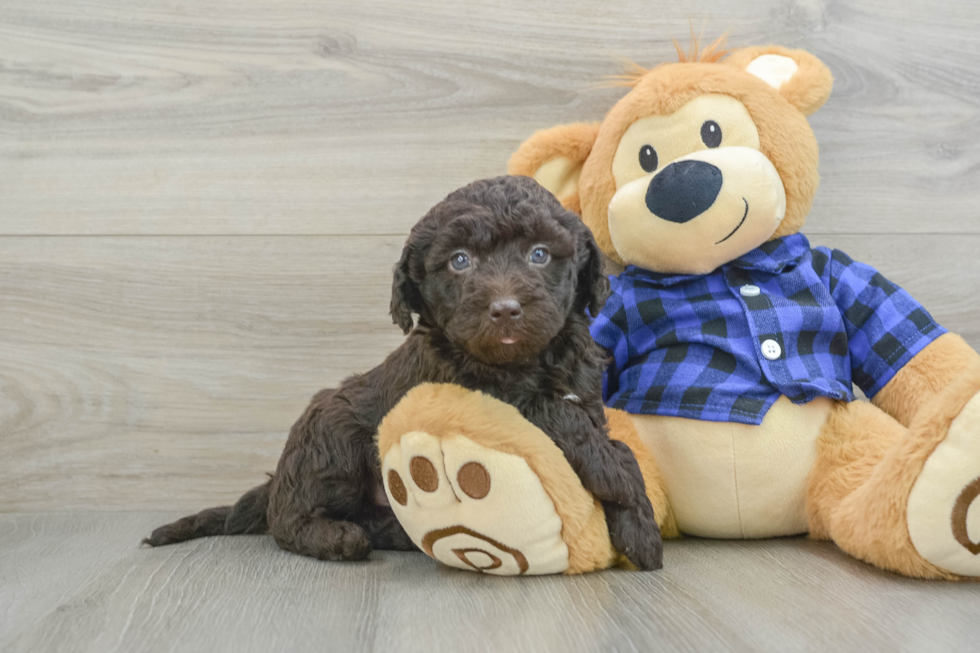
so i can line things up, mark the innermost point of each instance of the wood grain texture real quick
(200, 204)
(139, 369)
(79, 583)
(164, 372)
(303, 116)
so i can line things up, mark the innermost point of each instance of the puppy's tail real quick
(246, 517)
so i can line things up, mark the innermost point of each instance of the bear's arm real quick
(921, 382)
(886, 328)
(610, 331)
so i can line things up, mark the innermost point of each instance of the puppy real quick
(500, 276)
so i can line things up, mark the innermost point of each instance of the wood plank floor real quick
(78, 582)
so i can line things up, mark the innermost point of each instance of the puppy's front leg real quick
(608, 469)
(632, 526)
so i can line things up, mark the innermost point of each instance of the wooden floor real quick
(200, 205)
(78, 582)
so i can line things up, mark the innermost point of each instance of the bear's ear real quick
(554, 158)
(800, 78)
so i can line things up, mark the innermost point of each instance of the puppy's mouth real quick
(496, 341)
(498, 345)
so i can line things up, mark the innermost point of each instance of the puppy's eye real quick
(459, 261)
(648, 158)
(539, 256)
(711, 133)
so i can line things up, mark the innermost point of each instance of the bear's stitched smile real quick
(739, 226)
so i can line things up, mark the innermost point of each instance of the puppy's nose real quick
(505, 309)
(683, 190)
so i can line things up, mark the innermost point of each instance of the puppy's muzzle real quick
(683, 190)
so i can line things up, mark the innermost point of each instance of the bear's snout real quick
(683, 190)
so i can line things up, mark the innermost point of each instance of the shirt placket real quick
(769, 346)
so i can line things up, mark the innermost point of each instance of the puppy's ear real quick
(406, 298)
(592, 288)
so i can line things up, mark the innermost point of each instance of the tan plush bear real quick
(734, 346)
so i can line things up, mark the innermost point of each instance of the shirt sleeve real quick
(609, 330)
(885, 327)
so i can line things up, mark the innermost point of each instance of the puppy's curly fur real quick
(497, 242)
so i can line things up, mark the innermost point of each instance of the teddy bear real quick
(733, 348)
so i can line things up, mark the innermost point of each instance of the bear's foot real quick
(944, 504)
(472, 507)
(478, 487)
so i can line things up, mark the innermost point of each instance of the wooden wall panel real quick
(164, 372)
(200, 204)
(301, 116)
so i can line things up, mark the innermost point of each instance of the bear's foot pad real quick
(472, 507)
(944, 504)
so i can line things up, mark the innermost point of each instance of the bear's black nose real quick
(683, 190)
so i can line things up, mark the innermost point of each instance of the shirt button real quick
(748, 290)
(771, 349)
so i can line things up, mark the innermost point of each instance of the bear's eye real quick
(539, 256)
(648, 158)
(711, 133)
(459, 261)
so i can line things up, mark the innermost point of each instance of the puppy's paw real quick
(326, 539)
(634, 533)
(343, 541)
(472, 507)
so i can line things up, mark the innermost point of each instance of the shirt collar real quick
(773, 257)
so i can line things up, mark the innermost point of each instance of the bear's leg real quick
(478, 487)
(904, 499)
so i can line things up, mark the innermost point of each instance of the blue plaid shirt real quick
(691, 345)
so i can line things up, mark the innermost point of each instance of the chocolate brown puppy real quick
(500, 277)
